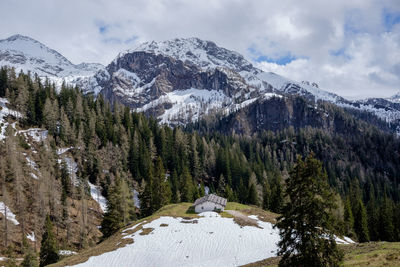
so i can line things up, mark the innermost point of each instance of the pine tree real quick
(146, 197)
(120, 208)
(386, 228)
(49, 247)
(252, 195)
(186, 186)
(348, 216)
(175, 196)
(266, 196)
(361, 223)
(221, 186)
(276, 195)
(30, 258)
(306, 223)
(161, 189)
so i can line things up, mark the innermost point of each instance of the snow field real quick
(207, 241)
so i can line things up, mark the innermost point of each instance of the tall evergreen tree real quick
(49, 246)
(187, 186)
(348, 217)
(120, 209)
(361, 223)
(306, 222)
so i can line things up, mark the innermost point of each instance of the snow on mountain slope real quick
(395, 98)
(188, 105)
(204, 54)
(4, 112)
(149, 77)
(210, 240)
(26, 54)
(5, 211)
(98, 197)
(207, 241)
(207, 55)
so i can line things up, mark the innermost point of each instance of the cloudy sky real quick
(350, 47)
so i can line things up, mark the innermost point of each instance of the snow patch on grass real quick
(213, 241)
(66, 252)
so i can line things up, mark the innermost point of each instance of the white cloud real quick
(367, 60)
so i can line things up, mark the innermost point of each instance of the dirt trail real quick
(242, 219)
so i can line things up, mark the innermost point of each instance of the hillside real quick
(374, 254)
(174, 235)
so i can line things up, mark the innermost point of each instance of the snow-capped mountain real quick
(395, 98)
(180, 80)
(26, 54)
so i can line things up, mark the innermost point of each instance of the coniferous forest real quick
(123, 152)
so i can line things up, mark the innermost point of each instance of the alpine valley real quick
(100, 165)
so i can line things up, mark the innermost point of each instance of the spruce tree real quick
(348, 216)
(252, 195)
(120, 209)
(186, 186)
(361, 223)
(146, 197)
(30, 258)
(306, 222)
(386, 228)
(49, 247)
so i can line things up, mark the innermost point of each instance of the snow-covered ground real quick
(37, 134)
(63, 150)
(136, 199)
(66, 252)
(98, 197)
(191, 104)
(10, 216)
(72, 168)
(207, 241)
(31, 236)
(4, 112)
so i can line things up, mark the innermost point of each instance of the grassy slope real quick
(174, 210)
(372, 254)
(369, 254)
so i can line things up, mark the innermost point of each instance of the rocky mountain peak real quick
(204, 54)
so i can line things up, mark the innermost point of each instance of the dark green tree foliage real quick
(362, 162)
(348, 217)
(120, 209)
(252, 195)
(306, 222)
(161, 189)
(361, 223)
(49, 246)
(187, 186)
(146, 204)
(386, 228)
(30, 258)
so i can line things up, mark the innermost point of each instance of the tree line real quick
(120, 150)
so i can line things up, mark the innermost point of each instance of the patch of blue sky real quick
(280, 60)
(390, 19)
